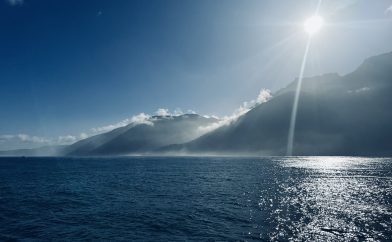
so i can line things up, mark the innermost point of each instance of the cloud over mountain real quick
(264, 96)
(142, 137)
(137, 119)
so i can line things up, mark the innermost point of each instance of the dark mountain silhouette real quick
(337, 115)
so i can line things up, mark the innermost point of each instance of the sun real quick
(313, 24)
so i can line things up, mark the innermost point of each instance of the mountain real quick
(42, 151)
(143, 137)
(337, 115)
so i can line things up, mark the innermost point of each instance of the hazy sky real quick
(68, 66)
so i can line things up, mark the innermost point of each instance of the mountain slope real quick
(144, 137)
(337, 115)
(42, 151)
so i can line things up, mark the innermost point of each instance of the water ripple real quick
(197, 199)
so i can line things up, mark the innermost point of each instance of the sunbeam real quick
(312, 25)
(293, 118)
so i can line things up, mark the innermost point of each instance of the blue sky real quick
(68, 66)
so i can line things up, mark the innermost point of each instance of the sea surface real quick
(196, 199)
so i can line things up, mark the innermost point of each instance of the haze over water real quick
(188, 198)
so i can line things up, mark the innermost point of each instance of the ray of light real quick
(293, 118)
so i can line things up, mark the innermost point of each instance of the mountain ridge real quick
(323, 126)
(337, 115)
(143, 137)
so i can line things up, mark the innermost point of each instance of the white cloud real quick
(264, 96)
(359, 90)
(163, 112)
(25, 138)
(177, 112)
(83, 136)
(15, 2)
(16, 141)
(141, 118)
(22, 141)
(6, 137)
(32, 139)
(211, 116)
(137, 119)
(66, 139)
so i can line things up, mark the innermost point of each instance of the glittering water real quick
(176, 199)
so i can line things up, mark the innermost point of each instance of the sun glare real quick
(313, 24)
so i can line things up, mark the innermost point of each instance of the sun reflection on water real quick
(340, 199)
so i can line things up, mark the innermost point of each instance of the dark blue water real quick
(177, 199)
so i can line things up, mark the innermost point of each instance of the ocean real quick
(196, 199)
